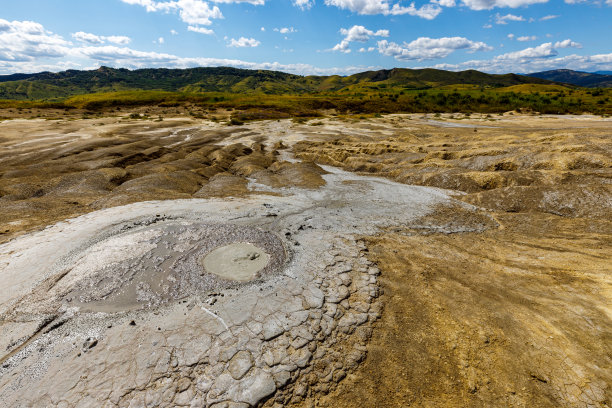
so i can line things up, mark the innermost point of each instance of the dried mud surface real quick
(500, 297)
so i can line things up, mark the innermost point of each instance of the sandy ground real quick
(504, 305)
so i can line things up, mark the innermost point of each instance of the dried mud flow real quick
(413, 261)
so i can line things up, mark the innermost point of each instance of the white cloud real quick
(425, 48)
(197, 12)
(541, 51)
(567, 44)
(28, 41)
(491, 4)
(549, 17)
(253, 2)
(600, 62)
(173, 32)
(193, 12)
(499, 19)
(369, 49)
(303, 4)
(444, 3)
(510, 36)
(524, 38)
(356, 33)
(262, 29)
(370, 7)
(201, 30)
(100, 39)
(361, 34)
(487, 26)
(118, 39)
(161, 40)
(88, 38)
(285, 30)
(342, 46)
(243, 42)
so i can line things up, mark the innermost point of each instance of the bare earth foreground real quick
(390, 262)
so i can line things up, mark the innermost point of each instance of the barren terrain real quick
(492, 236)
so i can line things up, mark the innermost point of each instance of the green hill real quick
(57, 86)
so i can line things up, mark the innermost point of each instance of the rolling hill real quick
(585, 79)
(56, 86)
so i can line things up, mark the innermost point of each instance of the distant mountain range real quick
(601, 79)
(50, 86)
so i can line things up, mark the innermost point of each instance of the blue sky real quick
(307, 36)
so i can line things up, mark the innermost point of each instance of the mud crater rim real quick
(160, 263)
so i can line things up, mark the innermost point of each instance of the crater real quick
(240, 261)
(148, 266)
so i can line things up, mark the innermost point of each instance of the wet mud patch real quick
(175, 265)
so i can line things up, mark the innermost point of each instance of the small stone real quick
(89, 344)
(240, 364)
(373, 271)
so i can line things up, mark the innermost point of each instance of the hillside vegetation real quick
(47, 85)
(269, 94)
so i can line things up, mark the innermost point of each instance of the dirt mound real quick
(584, 201)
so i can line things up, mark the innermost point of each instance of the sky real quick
(305, 37)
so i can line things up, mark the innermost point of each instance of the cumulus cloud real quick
(285, 30)
(361, 34)
(303, 4)
(100, 39)
(192, 12)
(425, 48)
(499, 19)
(524, 38)
(356, 33)
(370, 7)
(532, 59)
(541, 51)
(27, 41)
(173, 32)
(567, 44)
(599, 62)
(243, 42)
(88, 38)
(491, 4)
(445, 3)
(253, 2)
(545, 50)
(342, 46)
(201, 30)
